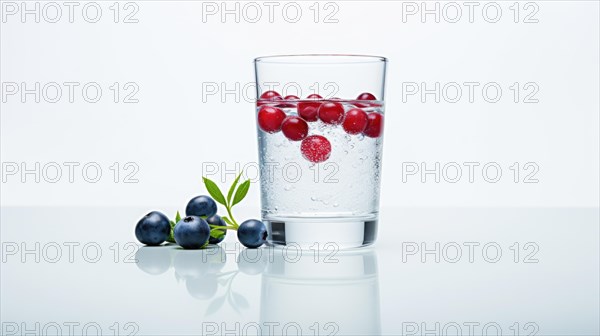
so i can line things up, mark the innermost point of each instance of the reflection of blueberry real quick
(252, 261)
(196, 264)
(153, 229)
(192, 232)
(153, 260)
(201, 206)
(189, 265)
(216, 220)
(202, 288)
(252, 233)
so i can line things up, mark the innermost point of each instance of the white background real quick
(172, 50)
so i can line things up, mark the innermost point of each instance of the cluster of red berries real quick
(316, 148)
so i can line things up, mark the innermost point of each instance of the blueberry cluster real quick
(201, 226)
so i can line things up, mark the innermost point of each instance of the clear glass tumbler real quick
(320, 135)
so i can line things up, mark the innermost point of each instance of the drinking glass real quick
(320, 135)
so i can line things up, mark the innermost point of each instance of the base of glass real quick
(321, 233)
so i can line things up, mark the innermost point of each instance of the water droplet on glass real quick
(335, 205)
(360, 137)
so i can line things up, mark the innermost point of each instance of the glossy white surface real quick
(386, 289)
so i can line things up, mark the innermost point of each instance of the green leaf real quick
(217, 233)
(214, 191)
(241, 192)
(232, 188)
(171, 238)
(227, 220)
(177, 217)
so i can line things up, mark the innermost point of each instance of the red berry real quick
(294, 128)
(262, 102)
(314, 96)
(355, 121)
(331, 113)
(316, 148)
(374, 125)
(366, 96)
(270, 95)
(288, 104)
(308, 110)
(270, 119)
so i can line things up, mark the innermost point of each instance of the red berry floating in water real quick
(331, 113)
(355, 121)
(270, 119)
(366, 96)
(294, 128)
(288, 104)
(309, 110)
(316, 148)
(270, 95)
(374, 125)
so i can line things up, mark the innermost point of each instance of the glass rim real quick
(320, 59)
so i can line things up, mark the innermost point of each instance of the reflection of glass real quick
(323, 295)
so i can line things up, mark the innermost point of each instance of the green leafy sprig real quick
(217, 231)
(234, 196)
(171, 238)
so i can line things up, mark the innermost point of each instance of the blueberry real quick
(201, 206)
(216, 220)
(191, 232)
(252, 233)
(153, 229)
